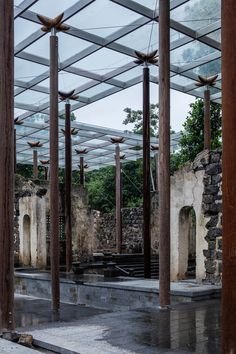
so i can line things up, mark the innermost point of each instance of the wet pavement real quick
(186, 328)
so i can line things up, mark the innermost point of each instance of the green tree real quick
(136, 117)
(72, 116)
(192, 137)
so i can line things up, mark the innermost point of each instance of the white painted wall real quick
(35, 208)
(186, 191)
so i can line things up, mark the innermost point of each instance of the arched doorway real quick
(26, 241)
(187, 243)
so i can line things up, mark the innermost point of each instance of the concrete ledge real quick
(129, 293)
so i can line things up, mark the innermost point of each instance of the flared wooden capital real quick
(154, 147)
(49, 23)
(81, 151)
(206, 81)
(150, 58)
(67, 95)
(45, 162)
(34, 144)
(73, 131)
(117, 140)
(18, 122)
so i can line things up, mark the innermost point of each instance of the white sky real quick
(108, 112)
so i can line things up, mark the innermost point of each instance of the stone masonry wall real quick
(132, 224)
(212, 209)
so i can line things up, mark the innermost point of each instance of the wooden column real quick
(164, 152)
(54, 188)
(207, 120)
(156, 164)
(45, 173)
(118, 201)
(146, 174)
(35, 160)
(229, 176)
(68, 177)
(7, 166)
(15, 157)
(81, 170)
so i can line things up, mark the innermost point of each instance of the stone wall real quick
(212, 209)
(132, 225)
(198, 186)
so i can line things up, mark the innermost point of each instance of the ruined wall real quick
(132, 226)
(198, 186)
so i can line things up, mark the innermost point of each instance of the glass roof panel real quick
(98, 20)
(52, 8)
(23, 28)
(216, 35)
(181, 80)
(96, 90)
(103, 18)
(130, 74)
(67, 81)
(208, 69)
(67, 46)
(192, 52)
(151, 4)
(103, 61)
(143, 39)
(32, 97)
(27, 71)
(197, 13)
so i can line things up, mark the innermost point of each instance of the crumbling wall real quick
(198, 186)
(132, 229)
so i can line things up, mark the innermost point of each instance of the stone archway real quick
(187, 243)
(26, 241)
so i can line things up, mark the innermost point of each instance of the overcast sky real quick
(108, 112)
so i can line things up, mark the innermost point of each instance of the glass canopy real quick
(96, 58)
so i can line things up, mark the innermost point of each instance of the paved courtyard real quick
(186, 328)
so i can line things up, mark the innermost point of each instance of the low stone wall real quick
(132, 229)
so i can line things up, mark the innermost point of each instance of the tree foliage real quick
(136, 117)
(192, 137)
(101, 186)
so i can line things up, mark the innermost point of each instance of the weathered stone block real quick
(212, 222)
(213, 169)
(213, 233)
(220, 244)
(215, 157)
(211, 189)
(211, 209)
(210, 266)
(208, 198)
(216, 179)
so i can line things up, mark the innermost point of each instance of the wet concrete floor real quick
(186, 328)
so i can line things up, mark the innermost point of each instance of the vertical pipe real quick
(118, 200)
(146, 174)
(68, 175)
(35, 159)
(207, 120)
(229, 176)
(82, 171)
(15, 158)
(164, 152)
(54, 188)
(7, 166)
